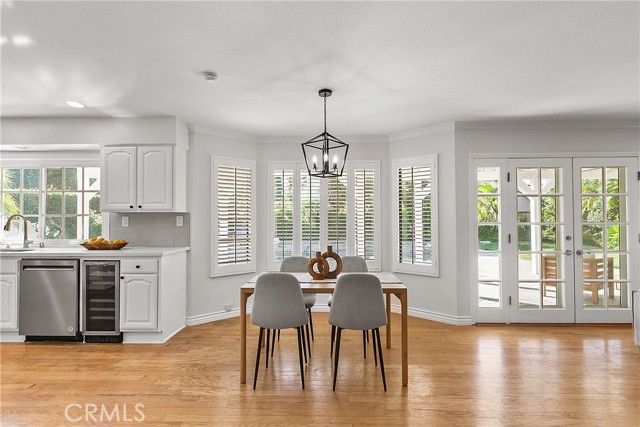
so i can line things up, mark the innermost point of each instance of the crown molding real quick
(222, 133)
(416, 133)
(548, 124)
(300, 139)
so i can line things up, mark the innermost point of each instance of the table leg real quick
(243, 337)
(405, 339)
(388, 327)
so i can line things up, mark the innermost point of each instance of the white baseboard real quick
(323, 308)
(213, 317)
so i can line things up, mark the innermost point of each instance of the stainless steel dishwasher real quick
(48, 304)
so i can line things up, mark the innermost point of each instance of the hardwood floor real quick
(458, 375)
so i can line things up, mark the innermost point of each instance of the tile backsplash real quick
(150, 229)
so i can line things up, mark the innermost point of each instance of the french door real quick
(556, 239)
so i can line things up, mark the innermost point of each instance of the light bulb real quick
(335, 160)
(315, 159)
(326, 156)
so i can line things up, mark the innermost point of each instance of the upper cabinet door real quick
(118, 177)
(155, 179)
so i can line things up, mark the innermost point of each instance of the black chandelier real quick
(325, 155)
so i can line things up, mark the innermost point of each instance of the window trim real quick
(422, 270)
(349, 169)
(55, 159)
(233, 269)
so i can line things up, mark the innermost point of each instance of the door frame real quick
(500, 160)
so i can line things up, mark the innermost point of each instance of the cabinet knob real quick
(122, 277)
(137, 266)
(131, 206)
(139, 206)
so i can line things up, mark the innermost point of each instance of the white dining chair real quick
(358, 304)
(278, 304)
(351, 264)
(298, 264)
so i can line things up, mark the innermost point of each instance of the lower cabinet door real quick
(138, 302)
(8, 303)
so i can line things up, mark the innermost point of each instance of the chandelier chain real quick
(325, 114)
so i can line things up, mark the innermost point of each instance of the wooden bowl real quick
(104, 246)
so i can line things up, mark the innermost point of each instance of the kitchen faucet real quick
(7, 227)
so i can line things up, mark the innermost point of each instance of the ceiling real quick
(393, 66)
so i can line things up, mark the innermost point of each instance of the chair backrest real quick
(278, 302)
(549, 267)
(354, 264)
(358, 302)
(294, 264)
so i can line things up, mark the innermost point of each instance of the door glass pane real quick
(592, 238)
(614, 184)
(488, 180)
(487, 209)
(551, 238)
(592, 209)
(488, 238)
(617, 266)
(591, 180)
(551, 267)
(529, 237)
(489, 294)
(614, 213)
(529, 295)
(552, 294)
(593, 294)
(593, 267)
(618, 292)
(488, 267)
(528, 208)
(617, 237)
(529, 266)
(550, 210)
(528, 180)
(549, 180)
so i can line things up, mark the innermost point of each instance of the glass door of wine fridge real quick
(101, 295)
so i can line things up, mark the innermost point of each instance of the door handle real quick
(569, 252)
(579, 252)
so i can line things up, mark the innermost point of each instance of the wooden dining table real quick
(391, 285)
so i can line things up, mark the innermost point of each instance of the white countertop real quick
(79, 251)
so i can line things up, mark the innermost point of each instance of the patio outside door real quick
(557, 239)
(541, 241)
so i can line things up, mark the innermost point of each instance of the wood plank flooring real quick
(498, 375)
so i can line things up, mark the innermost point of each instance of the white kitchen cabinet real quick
(8, 302)
(138, 302)
(118, 179)
(142, 179)
(8, 294)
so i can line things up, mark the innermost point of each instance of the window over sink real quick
(61, 203)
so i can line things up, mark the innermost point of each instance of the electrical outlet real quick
(125, 221)
(228, 307)
(179, 221)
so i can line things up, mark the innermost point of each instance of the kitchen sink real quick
(17, 249)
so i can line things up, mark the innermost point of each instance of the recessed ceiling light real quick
(74, 104)
(3, 40)
(211, 77)
(21, 40)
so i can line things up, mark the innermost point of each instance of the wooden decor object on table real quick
(330, 254)
(322, 266)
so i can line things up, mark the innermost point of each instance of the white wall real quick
(434, 297)
(92, 130)
(500, 140)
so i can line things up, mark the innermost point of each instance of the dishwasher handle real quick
(48, 268)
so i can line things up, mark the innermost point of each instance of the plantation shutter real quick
(283, 218)
(364, 201)
(233, 249)
(337, 213)
(416, 244)
(310, 231)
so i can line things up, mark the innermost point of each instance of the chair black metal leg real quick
(255, 376)
(375, 353)
(335, 367)
(273, 341)
(266, 353)
(311, 324)
(384, 380)
(364, 343)
(333, 338)
(300, 355)
(278, 334)
(308, 340)
(304, 344)
(367, 332)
